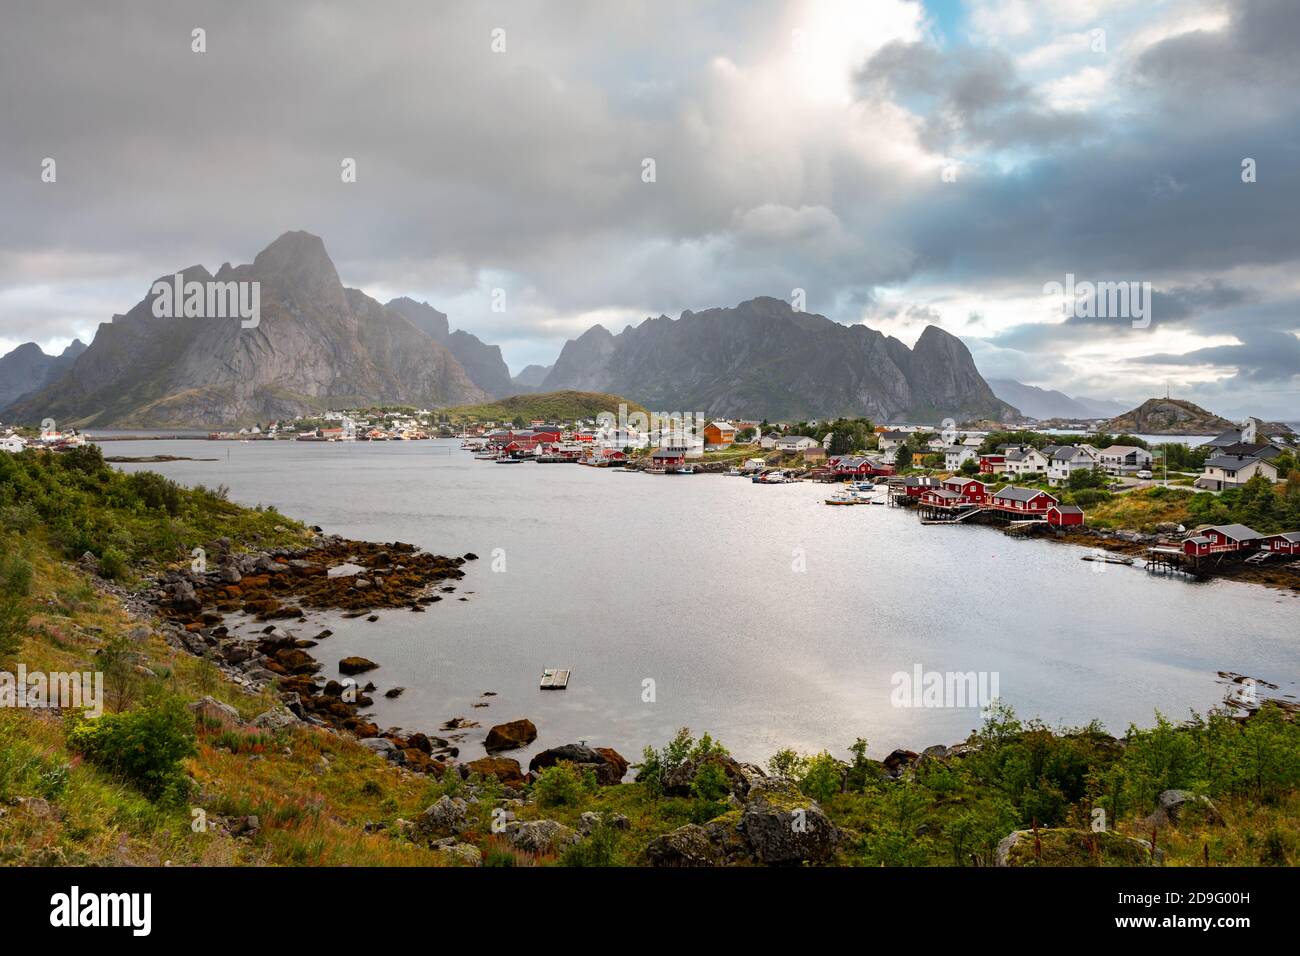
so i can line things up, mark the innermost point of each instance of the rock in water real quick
(511, 736)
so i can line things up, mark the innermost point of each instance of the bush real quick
(15, 585)
(563, 786)
(113, 564)
(145, 746)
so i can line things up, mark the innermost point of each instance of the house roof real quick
(895, 434)
(1230, 437)
(1292, 536)
(1235, 462)
(797, 438)
(942, 493)
(725, 426)
(918, 481)
(1257, 450)
(1067, 509)
(1012, 493)
(661, 453)
(1237, 532)
(1122, 450)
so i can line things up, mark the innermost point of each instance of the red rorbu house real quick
(1283, 543)
(1287, 542)
(850, 466)
(667, 459)
(1065, 515)
(1023, 501)
(942, 498)
(992, 464)
(1221, 539)
(971, 490)
(916, 485)
(547, 433)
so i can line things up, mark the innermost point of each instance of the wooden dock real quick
(554, 679)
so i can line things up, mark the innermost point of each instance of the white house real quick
(795, 443)
(12, 444)
(769, 440)
(1229, 471)
(1125, 459)
(954, 456)
(1025, 460)
(1062, 460)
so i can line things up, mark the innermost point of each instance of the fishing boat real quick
(683, 470)
(842, 499)
(509, 460)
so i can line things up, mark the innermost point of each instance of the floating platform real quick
(554, 679)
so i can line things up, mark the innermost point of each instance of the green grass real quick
(565, 406)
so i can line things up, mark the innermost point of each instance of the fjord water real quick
(761, 615)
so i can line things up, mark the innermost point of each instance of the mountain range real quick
(1043, 403)
(766, 360)
(319, 344)
(27, 368)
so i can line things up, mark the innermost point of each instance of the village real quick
(954, 477)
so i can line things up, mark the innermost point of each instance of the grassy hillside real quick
(549, 406)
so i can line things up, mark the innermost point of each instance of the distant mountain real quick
(1043, 403)
(1168, 416)
(28, 368)
(1101, 407)
(763, 359)
(482, 363)
(532, 376)
(318, 344)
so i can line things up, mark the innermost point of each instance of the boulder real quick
(211, 709)
(460, 854)
(447, 815)
(503, 768)
(511, 736)
(1070, 847)
(608, 765)
(782, 826)
(356, 665)
(1181, 806)
(541, 836)
(276, 719)
(686, 846)
(379, 745)
(899, 760)
(677, 782)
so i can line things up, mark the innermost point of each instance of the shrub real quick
(822, 777)
(113, 564)
(145, 745)
(563, 786)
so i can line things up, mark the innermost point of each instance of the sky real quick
(902, 163)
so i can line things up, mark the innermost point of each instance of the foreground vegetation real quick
(158, 780)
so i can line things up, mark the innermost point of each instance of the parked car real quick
(1144, 474)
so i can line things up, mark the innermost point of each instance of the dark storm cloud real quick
(523, 169)
(971, 97)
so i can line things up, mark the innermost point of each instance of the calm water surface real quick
(760, 614)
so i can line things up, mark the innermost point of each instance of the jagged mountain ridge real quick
(763, 359)
(27, 368)
(317, 344)
(482, 362)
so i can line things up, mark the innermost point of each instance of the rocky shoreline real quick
(280, 587)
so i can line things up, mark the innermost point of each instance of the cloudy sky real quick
(902, 162)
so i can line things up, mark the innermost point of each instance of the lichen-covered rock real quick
(461, 854)
(1183, 806)
(686, 846)
(1070, 847)
(447, 815)
(541, 836)
(215, 711)
(782, 826)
